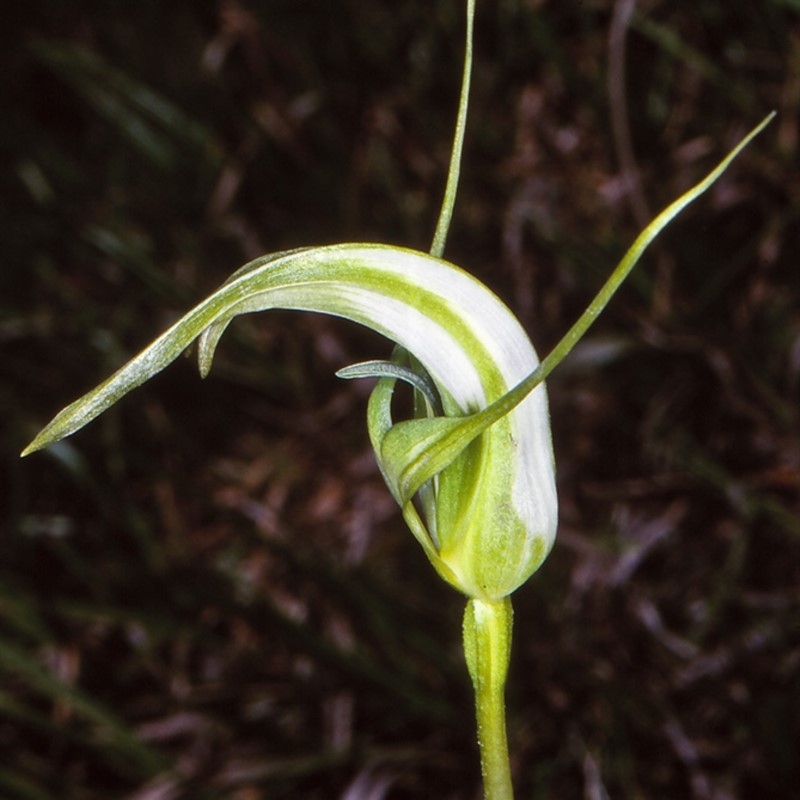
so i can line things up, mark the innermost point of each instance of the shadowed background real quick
(208, 593)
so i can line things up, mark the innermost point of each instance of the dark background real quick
(208, 593)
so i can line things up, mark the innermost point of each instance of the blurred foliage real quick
(208, 593)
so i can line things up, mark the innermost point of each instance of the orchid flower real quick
(473, 469)
(490, 514)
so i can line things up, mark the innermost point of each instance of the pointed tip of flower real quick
(50, 434)
(31, 448)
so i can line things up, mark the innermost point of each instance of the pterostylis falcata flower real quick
(473, 468)
(490, 514)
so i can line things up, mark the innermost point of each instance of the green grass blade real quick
(27, 669)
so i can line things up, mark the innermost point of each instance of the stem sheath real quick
(487, 648)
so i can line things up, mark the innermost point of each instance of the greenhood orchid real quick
(473, 469)
(489, 515)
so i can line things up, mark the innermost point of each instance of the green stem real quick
(487, 648)
(453, 172)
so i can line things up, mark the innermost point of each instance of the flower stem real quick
(487, 648)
